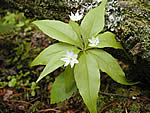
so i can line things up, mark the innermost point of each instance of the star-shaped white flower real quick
(70, 58)
(76, 17)
(93, 41)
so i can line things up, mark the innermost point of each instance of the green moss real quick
(135, 29)
(40, 9)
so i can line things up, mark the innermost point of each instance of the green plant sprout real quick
(80, 51)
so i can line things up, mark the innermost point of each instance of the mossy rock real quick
(135, 29)
(134, 33)
(40, 9)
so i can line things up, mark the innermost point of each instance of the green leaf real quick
(107, 39)
(12, 83)
(58, 92)
(75, 26)
(33, 86)
(6, 28)
(69, 78)
(45, 56)
(87, 77)
(93, 22)
(109, 65)
(53, 64)
(52, 58)
(33, 93)
(59, 31)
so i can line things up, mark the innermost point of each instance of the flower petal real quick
(75, 61)
(90, 41)
(64, 59)
(72, 64)
(67, 63)
(75, 56)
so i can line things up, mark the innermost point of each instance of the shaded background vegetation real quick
(21, 42)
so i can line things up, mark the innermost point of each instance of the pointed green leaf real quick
(52, 65)
(58, 92)
(107, 39)
(75, 26)
(69, 78)
(109, 65)
(93, 22)
(51, 57)
(58, 30)
(87, 77)
(45, 56)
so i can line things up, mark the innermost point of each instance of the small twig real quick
(19, 101)
(28, 89)
(17, 94)
(46, 110)
(111, 94)
(34, 99)
(112, 104)
(143, 99)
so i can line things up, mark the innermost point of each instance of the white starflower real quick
(93, 41)
(76, 17)
(70, 58)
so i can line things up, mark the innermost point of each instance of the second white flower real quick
(94, 41)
